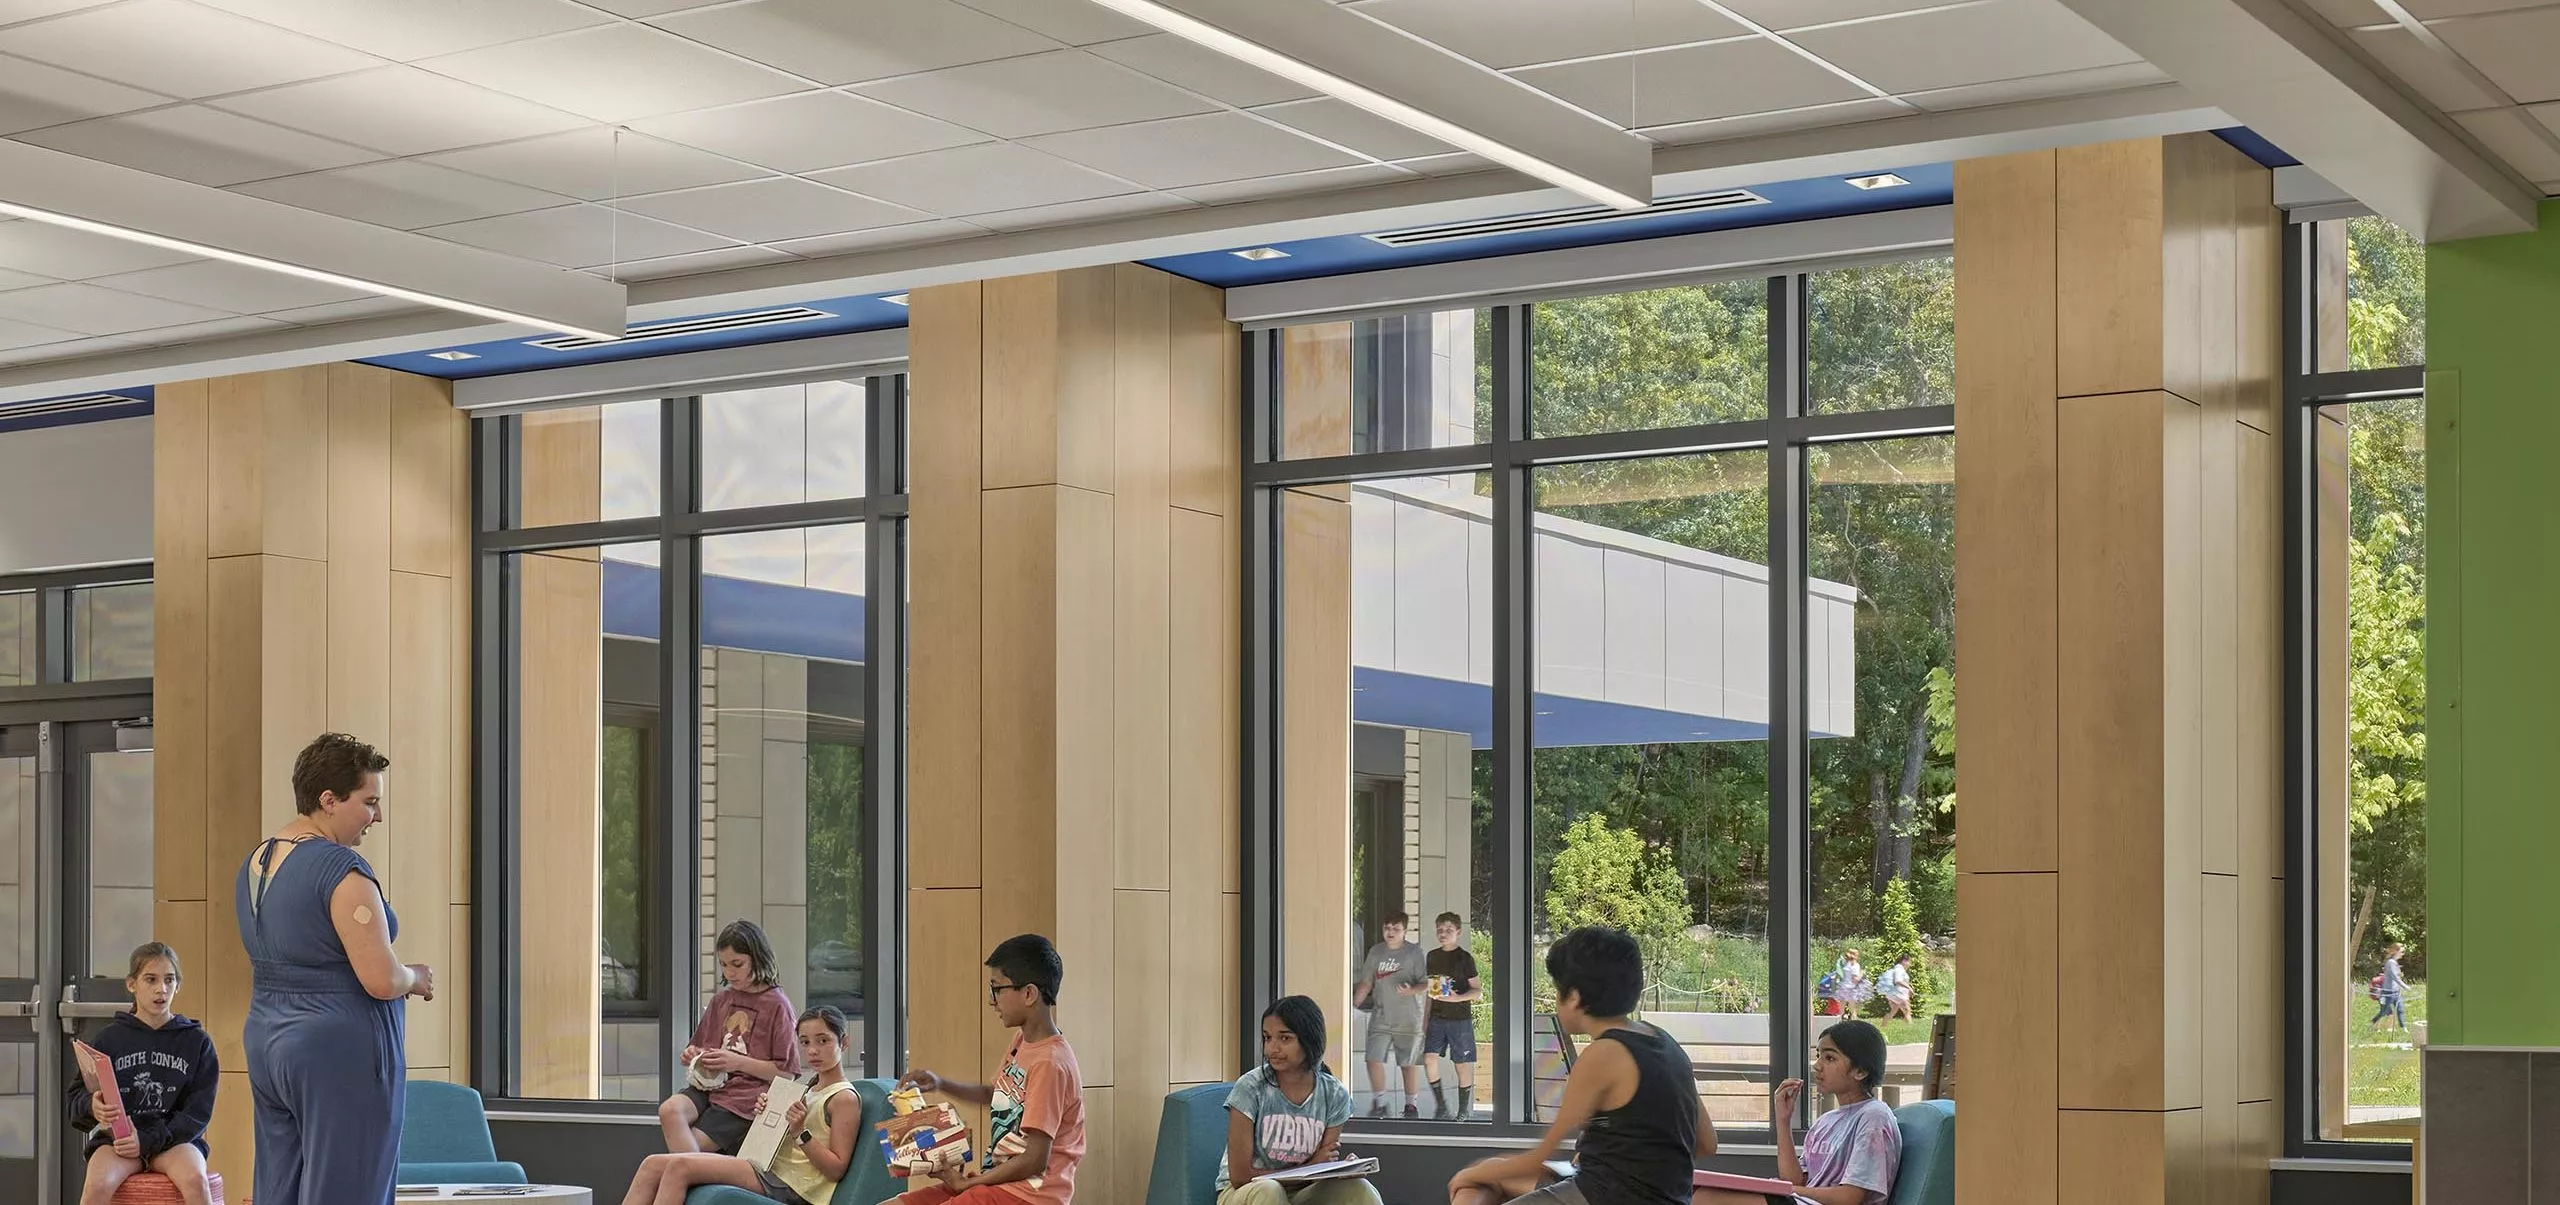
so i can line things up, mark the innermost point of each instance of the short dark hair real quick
(1395, 918)
(827, 1014)
(1601, 966)
(1449, 918)
(1302, 1016)
(335, 764)
(144, 953)
(1029, 959)
(746, 937)
(1863, 1045)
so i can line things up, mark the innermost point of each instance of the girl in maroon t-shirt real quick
(742, 1043)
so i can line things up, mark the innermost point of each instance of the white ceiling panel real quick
(848, 41)
(401, 111)
(1076, 24)
(597, 164)
(1783, 15)
(14, 335)
(1783, 121)
(1267, 187)
(1948, 48)
(1698, 83)
(700, 261)
(2514, 136)
(1037, 94)
(1189, 65)
(407, 30)
(616, 73)
(977, 179)
(65, 254)
(2040, 87)
(1517, 33)
(1072, 212)
(578, 236)
(33, 95)
(910, 235)
(404, 194)
(90, 310)
(203, 145)
(180, 48)
(235, 288)
(809, 131)
(758, 211)
(2433, 74)
(1208, 149)
(1354, 128)
(2518, 51)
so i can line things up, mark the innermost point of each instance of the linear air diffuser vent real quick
(681, 327)
(1589, 215)
(63, 405)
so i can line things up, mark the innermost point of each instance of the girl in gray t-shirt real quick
(1287, 1113)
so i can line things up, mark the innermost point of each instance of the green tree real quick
(1902, 939)
(1610, 876)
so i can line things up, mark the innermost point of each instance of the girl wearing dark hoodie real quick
(165, 1075)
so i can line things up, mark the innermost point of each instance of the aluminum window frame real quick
(1509, 455)
(678, 530)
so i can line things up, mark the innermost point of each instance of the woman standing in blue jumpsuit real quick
(327, 995)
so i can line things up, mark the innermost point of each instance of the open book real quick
(1339, 1169)
(764, 1139)
(99, 1073)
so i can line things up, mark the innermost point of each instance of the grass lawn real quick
(2382, 1065)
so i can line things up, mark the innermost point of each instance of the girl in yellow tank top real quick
(820, 1133)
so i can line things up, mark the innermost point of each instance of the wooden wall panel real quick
(1207, 406)
(1018, 695)
(1142, 568)
(944, 583)
(1203, 787)
(1315, 739)
(2005, 614)
(2112, 762)
(1141, 1025)
(358, 520)
(560, 699)
(2108, 226)
(178, 617)
(2008, 1151)
(1082, 788)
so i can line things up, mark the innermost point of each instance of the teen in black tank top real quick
(1639, 1152)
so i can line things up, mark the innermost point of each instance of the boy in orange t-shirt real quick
(1035, 1109)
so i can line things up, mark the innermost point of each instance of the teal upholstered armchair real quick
(1188, 1142)
(867, 1182)
(444, 1138)
(1928, 1172)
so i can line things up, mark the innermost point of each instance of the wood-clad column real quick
(2119, 650)
(310, 539)
(1072, 713)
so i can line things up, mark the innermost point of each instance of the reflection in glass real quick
(1649, 802)
(1881, 337)
(783, 676)
(111, 632)
(1660, 358)
(2370, 530)
(1880, 547)
(1388, 384)
(788, 443)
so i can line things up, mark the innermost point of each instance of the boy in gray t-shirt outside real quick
(1392, 989)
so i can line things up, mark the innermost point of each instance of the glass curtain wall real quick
(2358, 429)
(679, 599)
(1632, 609)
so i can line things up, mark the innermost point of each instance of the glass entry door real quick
(76, 897)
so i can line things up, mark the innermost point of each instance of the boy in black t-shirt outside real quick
(1451, 1033)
